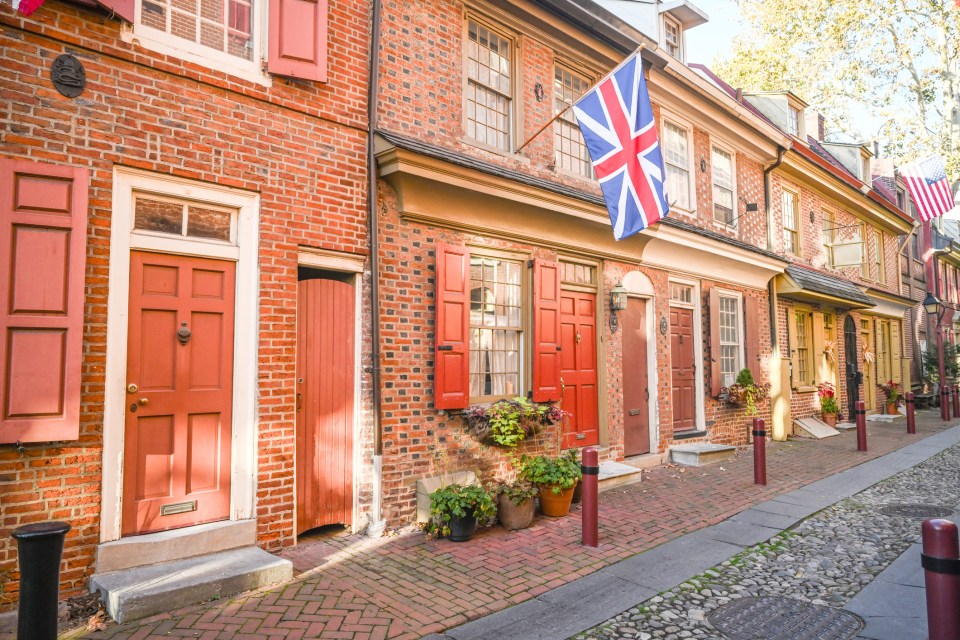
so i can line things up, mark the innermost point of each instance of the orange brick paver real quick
(404, 587)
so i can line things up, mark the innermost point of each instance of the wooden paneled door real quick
(578, 368)
(325, 398)
(852, 362)
(869, 368)
(636, 390)
(176, 463)
(683, 369)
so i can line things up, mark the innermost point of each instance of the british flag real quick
(617, 124)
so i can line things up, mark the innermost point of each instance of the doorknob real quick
(132, 388)
(143, 402)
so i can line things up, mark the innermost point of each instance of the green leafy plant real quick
(461, 501)
(507, 423)
(745, 392)
(518, 491)
(892, 391)
(931, 363)
(561, 472)
(828, 398)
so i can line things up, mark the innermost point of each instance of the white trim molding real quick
(123, 239)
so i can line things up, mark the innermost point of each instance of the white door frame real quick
(243, 251)
(639, 286)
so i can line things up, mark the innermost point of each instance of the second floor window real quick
(570, 152)
(671, 37)
(829, 223)
(878, 255)
(723, 209)
(489, 87)
(677, 164)
(496, 327)
(791, 220)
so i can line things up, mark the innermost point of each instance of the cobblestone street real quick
(826, 560)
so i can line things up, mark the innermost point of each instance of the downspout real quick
(779, 406)
(377, 524)
(768, 206)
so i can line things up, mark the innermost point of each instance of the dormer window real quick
(671, 36)
(793, 120)
(865, 168)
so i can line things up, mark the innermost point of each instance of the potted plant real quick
(745, 392)
(894, 398)
(507, 423)
(454, 510)
(828, 403)
(555, 479)
(515, 504)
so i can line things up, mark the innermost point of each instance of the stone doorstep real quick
(176, 544)
(139, 592)
(616, 474)
(697, 455)
(813, 427)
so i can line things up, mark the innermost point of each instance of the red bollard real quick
(956, 401)
(590, 507)
(911, 417)
(861, 426)
(759, 452)
(941, 577)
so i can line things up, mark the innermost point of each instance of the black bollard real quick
(39, 550)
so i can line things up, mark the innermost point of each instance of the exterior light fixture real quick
(932, 305)
(618, 302)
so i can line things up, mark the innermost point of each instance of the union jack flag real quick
(617, 124)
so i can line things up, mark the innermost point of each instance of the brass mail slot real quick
(178, 507)
(634, 412)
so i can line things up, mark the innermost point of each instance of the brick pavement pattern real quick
(405, 587)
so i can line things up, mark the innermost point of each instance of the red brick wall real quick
(301, 145)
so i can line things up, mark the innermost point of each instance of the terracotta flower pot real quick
(462, 528)
(892, 409)
(829, 418)
(555, 505)
(515, 516)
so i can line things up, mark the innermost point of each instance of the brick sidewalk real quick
(405, 587)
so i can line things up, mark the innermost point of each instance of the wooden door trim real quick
(653, 383)
(700, 417)
(122, 241)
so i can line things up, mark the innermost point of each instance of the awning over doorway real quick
(814, 286)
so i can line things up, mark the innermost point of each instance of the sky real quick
(706, 42)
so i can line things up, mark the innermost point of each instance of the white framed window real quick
(496, 327)
(829, 221)
(672, 41)
(724, 186)
(878, 256)
(731, 338)
(489, 87)
(676, 157)
(803, 348)
(227, 35)
(791, 223)
(681, 293)
(569, 149)
(793, 120)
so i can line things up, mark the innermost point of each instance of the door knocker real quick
(183, 334)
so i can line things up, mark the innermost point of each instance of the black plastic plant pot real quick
(39, 550)
(461, 528)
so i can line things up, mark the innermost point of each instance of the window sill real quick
(806, 388)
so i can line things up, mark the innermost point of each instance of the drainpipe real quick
(779, 411)
(767, 188)
(377, 524)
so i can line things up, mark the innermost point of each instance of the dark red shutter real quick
(451, 380)
(298, 39)
(43, 239)
(546, 331)
(715, 376)
(751, 345)
(125, 9)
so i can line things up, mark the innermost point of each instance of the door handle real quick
(299, 402)
(143, 402)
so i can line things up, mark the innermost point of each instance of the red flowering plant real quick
(892, 390)
(828, 398)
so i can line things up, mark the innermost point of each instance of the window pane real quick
(677, 164)
(495, 326)
(488, 87)
(730, 363)
(158, 215)
(208, 223)
(570, 152)
(221, 25)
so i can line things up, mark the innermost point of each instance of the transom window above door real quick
(184, 218)
(682, 293)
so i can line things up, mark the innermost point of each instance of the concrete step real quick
(697, 455)
(131, 594)
(614, 474)
(813, 428)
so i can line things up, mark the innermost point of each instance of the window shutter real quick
(821, 366)
(43, 241)
(897, 373)
(125, 9)
(451, 380)
(792, 347)
(298, 39)
(751, 346)
(546, 331)
(715, 381)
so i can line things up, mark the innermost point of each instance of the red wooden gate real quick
(325, 400)
(636, 415)
(176, 463)
(578, 368)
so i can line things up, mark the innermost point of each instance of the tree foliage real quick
(896, 58)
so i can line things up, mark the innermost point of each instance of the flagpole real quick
(570, 104)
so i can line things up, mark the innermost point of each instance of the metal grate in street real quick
(778, 618)
(916, 511)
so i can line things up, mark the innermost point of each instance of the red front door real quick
(636, 417)
(578, 368)
(325, 399)
(176, 463)
(682, 369)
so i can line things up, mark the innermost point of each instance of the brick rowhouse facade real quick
(297, 145)
(428, 198)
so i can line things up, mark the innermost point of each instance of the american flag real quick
(929, 187)
(621, 136)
